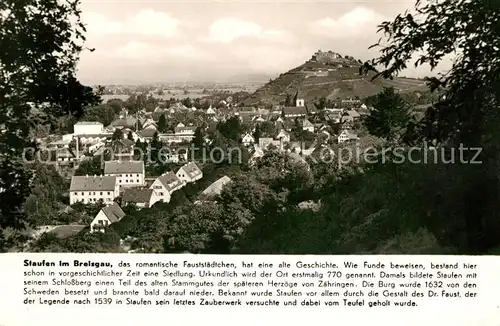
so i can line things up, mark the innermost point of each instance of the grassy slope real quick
(344, 82)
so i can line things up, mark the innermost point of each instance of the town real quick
(321, 130)
(298, 129)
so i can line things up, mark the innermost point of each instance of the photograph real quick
(250, 127)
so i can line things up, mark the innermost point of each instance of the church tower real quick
(299, 99)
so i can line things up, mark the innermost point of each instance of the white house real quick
(149, 123)
(88, 128)
(211, 111)
(248, 140)
(283, 135)
(128, 173)
(345, 135)
(141, 197)
(92, 189)
(174, 155)
(257, 153)
(307, 126)
(189, 172)
(165, 185)
(189, 130)
(106, 216)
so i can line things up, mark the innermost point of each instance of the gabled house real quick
(346, 136)
(307, 125)
(141, 197)
(106, 216)
(256, 152)
(128, 173)
(189, 172)
(92, 189)
(283, 135)
(248, 139)
(165, 185)
(149, 123)
(211, 111)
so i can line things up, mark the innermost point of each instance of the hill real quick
(329, 75)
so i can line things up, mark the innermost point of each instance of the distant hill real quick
(329, 75)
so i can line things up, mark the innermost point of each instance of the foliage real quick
(257, 133)
(231, 129)
(91, 166)
(162, 123)
(44, 39)
(467, 113)
(389, 116)
(46, 200)
(84, 242)
(465, 29)
(104, 114)
(117, 134)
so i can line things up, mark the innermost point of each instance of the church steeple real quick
(299, 99)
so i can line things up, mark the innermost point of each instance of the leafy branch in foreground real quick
(43, 40)
(466, 30)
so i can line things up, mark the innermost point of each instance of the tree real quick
(117, 134)
(231, 128)
(321, 104)
(100, 113)
(288, 100)
(257, 134)
(43, 41)
(90, 167)
(155, 147)
(389, 116)
(130, 136)
(43, 205)
(198, 140)
(162, 123)
(297, 129)
(116, 104)
(470, 87)
(467, 113)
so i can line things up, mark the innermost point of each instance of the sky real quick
(184, 41)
